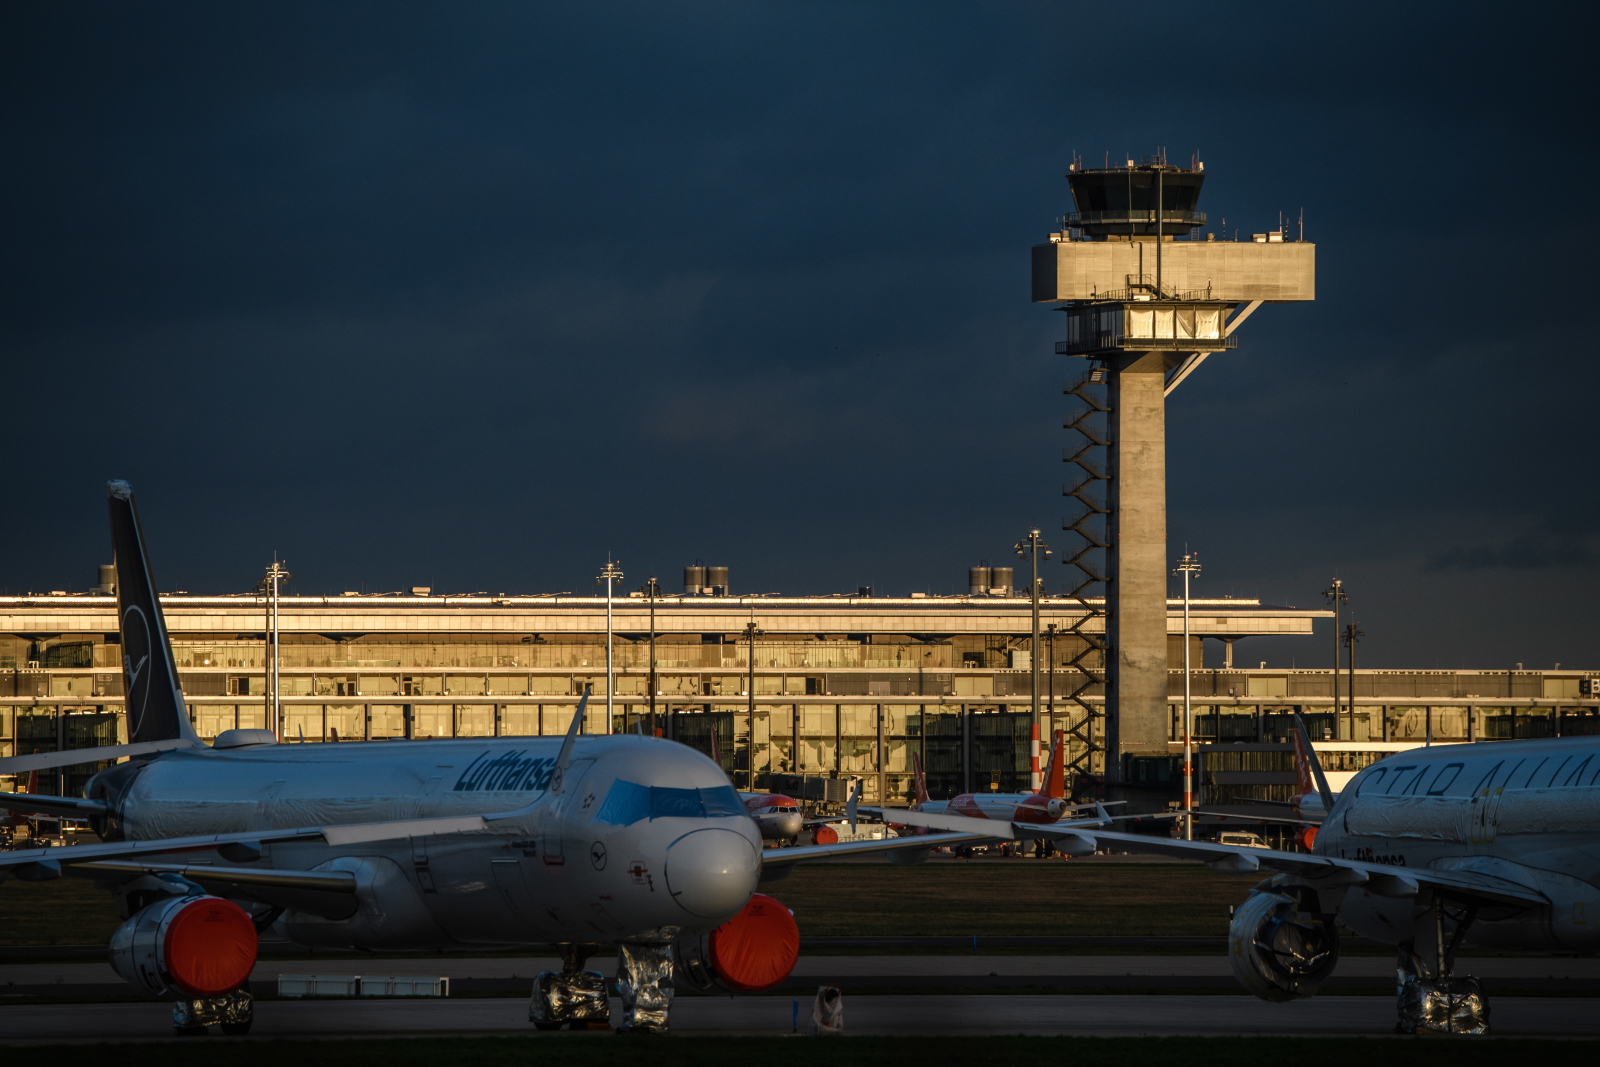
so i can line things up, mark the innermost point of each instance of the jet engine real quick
(753, 951)
(1279, 948)
(196, 946)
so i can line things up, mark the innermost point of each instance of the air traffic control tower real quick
(1148, 294)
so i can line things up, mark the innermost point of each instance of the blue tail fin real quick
(156, 710)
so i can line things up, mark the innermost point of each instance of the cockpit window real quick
(629, 802)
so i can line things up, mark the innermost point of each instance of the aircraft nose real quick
(790, 825)
(711, 873)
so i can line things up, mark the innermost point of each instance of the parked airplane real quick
(777, 816)
(448, 844)
(1046, 806)
(1491, 844)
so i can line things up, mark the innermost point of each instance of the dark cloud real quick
(469, 295)
(1531, 551)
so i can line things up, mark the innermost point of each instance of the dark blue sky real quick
(469, 294)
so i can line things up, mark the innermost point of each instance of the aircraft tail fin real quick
(156, 711)
(1055, 778)
(921, 780)
(1307, 768)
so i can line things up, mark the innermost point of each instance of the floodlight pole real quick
(1030, 547)
(750, 633)
(1352, 634)
(611, 575)
(275, 575)
(1189, 567)
(1336, 597)
(652, 589)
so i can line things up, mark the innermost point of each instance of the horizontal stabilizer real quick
(71, 757)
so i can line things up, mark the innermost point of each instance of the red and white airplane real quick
(1048, 805)
(777, 815)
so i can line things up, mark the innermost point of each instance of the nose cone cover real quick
(711, 873)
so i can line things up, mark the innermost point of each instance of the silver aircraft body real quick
(676, 850)
(1495, 844)
(578, 842)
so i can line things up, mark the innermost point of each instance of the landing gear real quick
(1429, 996)
(575, 998)
(233, 1012)
(644, 981)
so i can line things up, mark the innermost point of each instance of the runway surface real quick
(831, 969)
(892, 1015)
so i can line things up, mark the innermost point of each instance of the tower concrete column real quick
(1136, 563)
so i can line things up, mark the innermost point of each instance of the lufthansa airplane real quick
(469, 843)
(1495, 844)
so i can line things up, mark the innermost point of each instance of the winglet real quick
(1306, 757)
(850, 808)
(564, 757)
(1103, 815)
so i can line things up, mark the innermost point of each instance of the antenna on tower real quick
(1302, 224)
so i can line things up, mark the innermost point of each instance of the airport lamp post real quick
(750, 635)
(1352, 634)
(1189, 567)
(652, 589)
(276, 575)
(1335, 597)
(1030, 547)
(611, 575)
(1051, 632)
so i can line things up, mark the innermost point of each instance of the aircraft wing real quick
(38, 864)
(1377, 878)
(995, 829)
(1256, 818)
(938, 820)
(323, 881)
(34, 803)
(71, 757)
(782, 857)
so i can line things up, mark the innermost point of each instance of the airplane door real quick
(551, 822)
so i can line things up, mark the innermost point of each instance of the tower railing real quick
(1086, 730)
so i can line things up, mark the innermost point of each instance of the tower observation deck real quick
(1148, 294)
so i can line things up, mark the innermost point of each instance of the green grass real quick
(65, 911)
(954, 898)
(621, 1051)
(1015, 898)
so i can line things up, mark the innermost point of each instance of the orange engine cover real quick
(1308, 837)
(190, 946)
(825, 835)
(757, 948)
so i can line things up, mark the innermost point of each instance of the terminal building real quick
(846, 685)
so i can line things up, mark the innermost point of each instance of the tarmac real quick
(16, 977)
(1104, 1016)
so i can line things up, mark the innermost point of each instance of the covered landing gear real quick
(1429, 996)
(233, 1012)
(644, 981)
(574, 998)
